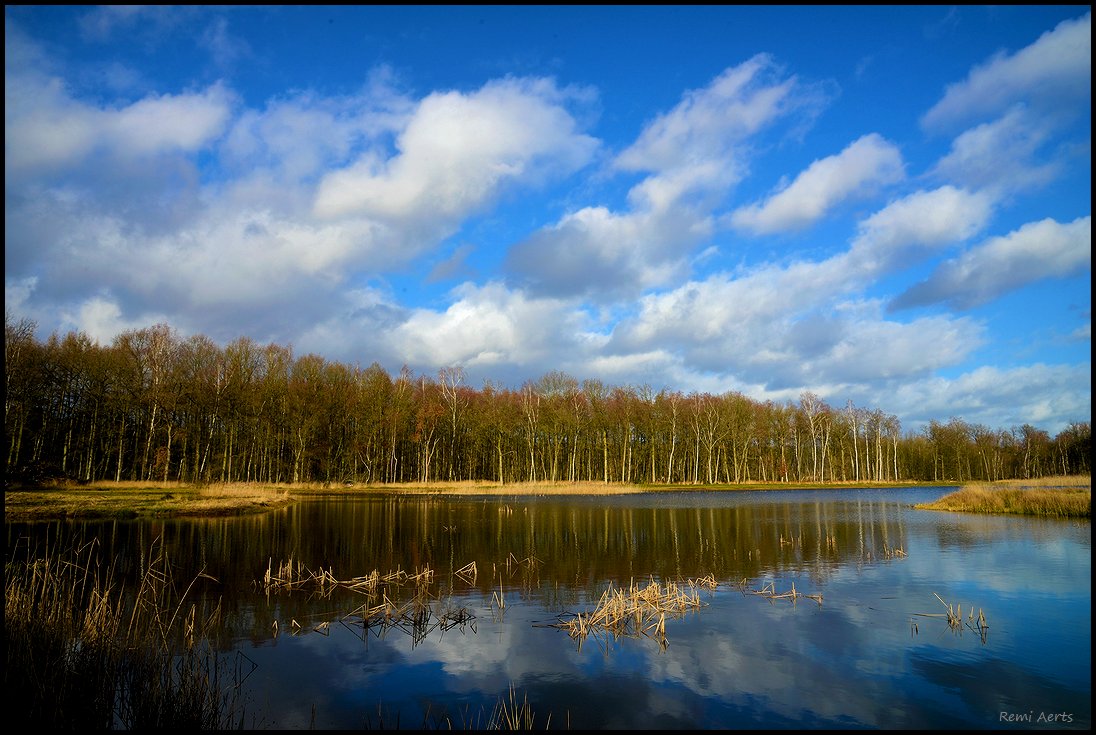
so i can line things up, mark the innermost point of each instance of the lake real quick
(500, 579)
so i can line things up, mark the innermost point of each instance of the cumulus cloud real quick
(491, 331)
(866, 163)
(603, 255)
(489, 325)
(784, 327)
(914, 224)
(100, 317)
(456, 153)
(299, 138)
(693, 154)
(1055, 69)
(252, 241)
(47, 128)
(1038, 250)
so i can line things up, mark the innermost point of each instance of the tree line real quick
(153, 406)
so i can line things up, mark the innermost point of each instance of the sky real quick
(884, 205)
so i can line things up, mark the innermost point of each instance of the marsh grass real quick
(1059, 497)
(83, 654)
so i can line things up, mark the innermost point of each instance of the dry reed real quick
(418, 615)
(769, 592)
(82, 651)
(954, 616)
(635, 612)
(1061, 497)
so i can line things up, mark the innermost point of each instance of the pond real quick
(475, 600)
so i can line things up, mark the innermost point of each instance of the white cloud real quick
(1036, 251)
(17, 291)
(184, 122)
(781, 327)
(708, 121)
(597, 253)
(866, 163)
(998, 156)
(99, 23)
(1050, 396)
(696, 154)
(456, 153)
(920, 221)
(486, 326)
(301, 137)
(100, 317)
(45, 127)
(1055, 69)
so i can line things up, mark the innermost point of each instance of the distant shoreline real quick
(127, 500)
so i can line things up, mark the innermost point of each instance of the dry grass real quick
(637, 611)
(1060, 497)
(134, 499)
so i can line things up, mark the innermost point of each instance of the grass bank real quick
(140, 499)
(1059, 497)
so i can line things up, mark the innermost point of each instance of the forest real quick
(153, 406)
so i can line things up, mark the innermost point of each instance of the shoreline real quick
(131, 499)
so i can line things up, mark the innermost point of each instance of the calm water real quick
(866, 657)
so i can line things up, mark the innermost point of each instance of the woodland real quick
(154, 406)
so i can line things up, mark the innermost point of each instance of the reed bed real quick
(417, 614)
(635, 612)
(83, 653)
(1057, 497)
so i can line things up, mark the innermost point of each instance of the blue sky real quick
(889, 206)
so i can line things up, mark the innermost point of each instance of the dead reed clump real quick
(769, 592)
(954, 616)
(394, 600)
(636, 612)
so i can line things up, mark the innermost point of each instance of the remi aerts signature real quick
(1048, 718)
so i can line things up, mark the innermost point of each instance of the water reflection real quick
(738, 660)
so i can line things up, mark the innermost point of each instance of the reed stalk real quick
(82, 654)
